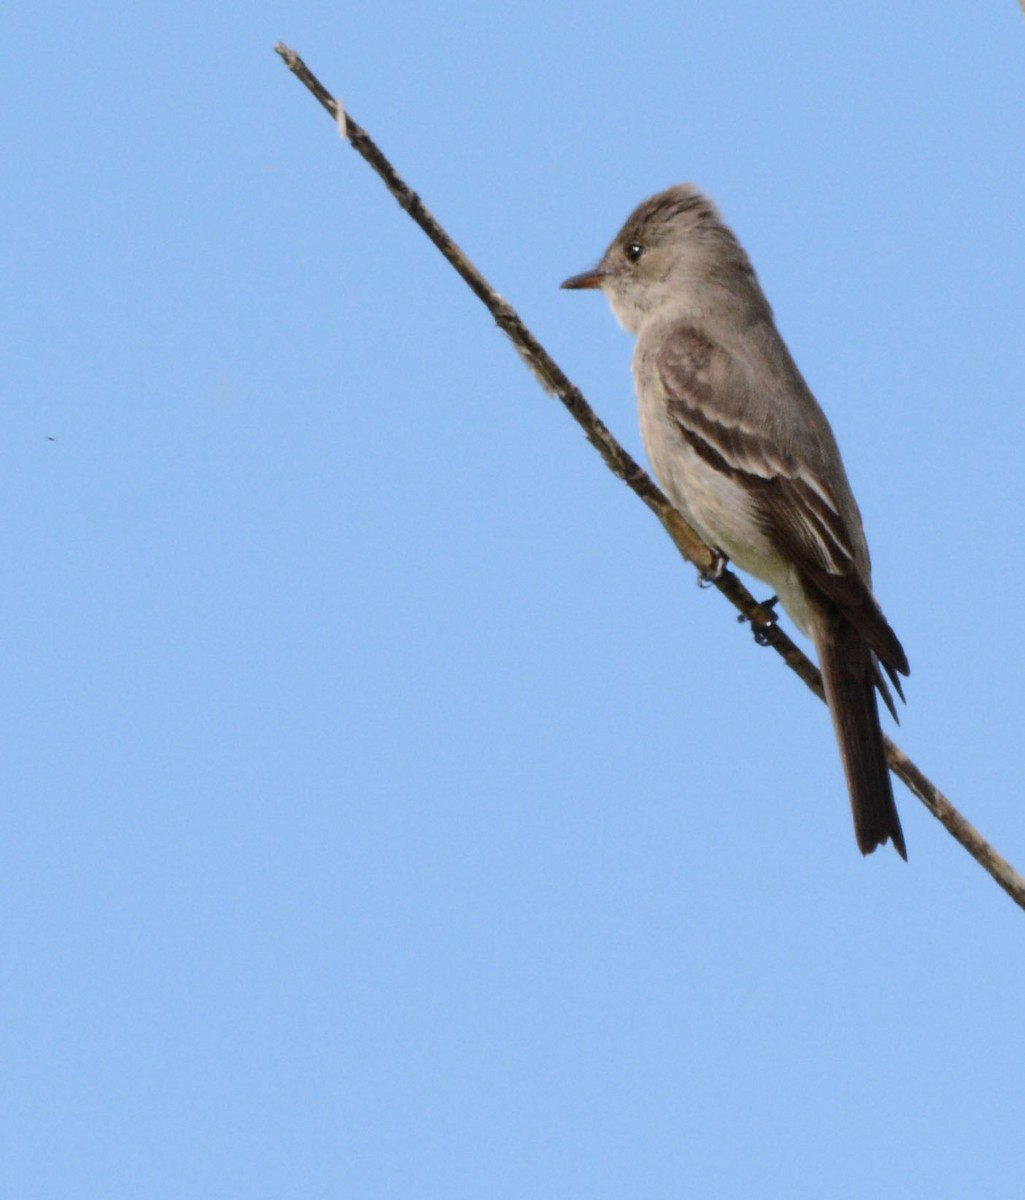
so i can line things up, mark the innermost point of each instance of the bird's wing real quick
(796, 507)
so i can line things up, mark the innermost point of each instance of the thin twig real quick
(552, 379)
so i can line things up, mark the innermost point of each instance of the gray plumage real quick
(740, 446)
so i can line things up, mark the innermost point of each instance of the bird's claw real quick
(764, 621)
(713, 573)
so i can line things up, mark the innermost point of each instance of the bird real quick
(742, 449)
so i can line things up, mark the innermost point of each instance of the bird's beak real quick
(589, 279)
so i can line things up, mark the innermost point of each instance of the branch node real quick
(410, 202)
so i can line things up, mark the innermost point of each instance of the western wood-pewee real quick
(742, 449)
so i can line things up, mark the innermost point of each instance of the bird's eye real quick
(634, 251)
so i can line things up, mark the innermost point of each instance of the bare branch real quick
(554, 382)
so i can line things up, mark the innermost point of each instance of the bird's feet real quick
(765, 620)
(709, 576)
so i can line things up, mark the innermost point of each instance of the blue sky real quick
(386, 812)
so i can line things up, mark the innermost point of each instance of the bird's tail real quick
(848, 673)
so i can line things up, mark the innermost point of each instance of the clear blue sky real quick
(385, 811)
